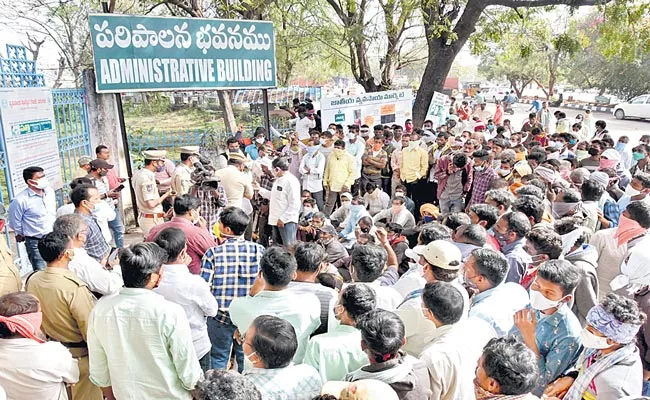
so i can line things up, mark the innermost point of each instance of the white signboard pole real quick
(377, 108)
(30, 138)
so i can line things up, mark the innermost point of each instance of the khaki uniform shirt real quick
(144, 184)
(182, 179)
(66, 303)
(9, 275)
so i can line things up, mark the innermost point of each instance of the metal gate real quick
(70, 113)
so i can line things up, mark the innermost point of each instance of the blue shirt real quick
(537, 105)
(518, 259)
(252, 151)
(231, 269)
(498, 305)
(558, 340)
(31, 214)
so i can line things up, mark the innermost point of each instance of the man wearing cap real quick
(84, 167)
(440, 260)
(99, 175)
(328, 238)
(182, 176)
(342, 213)
(146, 194)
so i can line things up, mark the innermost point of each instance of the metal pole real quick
(125, 138)
(267, 118)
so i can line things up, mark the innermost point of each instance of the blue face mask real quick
(428, 218)
(620, 146)
(490, 127)
(572, 142)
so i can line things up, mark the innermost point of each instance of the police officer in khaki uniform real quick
(182, 176)
(146, 193)
(9, 275)
(66, 303)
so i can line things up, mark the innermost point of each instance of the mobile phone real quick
(119, 188)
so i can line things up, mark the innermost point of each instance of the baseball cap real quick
(441, 253)
(99, 163)
(329, 229)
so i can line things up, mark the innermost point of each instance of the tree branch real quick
(543, 3)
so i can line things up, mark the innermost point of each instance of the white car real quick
(495, 94)
(638, 107)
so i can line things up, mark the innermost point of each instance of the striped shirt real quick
(231, 269)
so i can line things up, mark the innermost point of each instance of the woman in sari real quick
(610, 367)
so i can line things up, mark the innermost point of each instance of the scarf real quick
(400, 371)
(627, 230)
(26, 325)
(591, 367)
(569, 239)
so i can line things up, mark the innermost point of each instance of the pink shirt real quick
(199, 240)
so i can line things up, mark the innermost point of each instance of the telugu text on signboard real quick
(136, 53)
(385, 108)
(29, 132)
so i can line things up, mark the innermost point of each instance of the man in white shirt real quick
(397, 214)
(377, 266)
(141, 344)
(356, 146)
(312, 169)
(31, 368)
(445, 354)
(236, 183)
(284, 205)
(304, 123)
(495, 301)
(187, 290)
(277, 269)
(440, 260)
(100, 280)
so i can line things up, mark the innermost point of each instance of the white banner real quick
(438, 109)
(29, 133)
(385, 108)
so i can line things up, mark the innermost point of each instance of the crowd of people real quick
(468, 260)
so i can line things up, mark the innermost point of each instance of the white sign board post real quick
(438, 109)
(377, 108)
(29, 135)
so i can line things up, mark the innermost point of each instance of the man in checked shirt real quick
(230, 269)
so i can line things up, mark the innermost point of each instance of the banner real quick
(29, 134)
(385, 108)
(136, 53)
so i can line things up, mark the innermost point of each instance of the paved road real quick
(632, 128)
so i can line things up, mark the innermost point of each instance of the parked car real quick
(495, 94)
(638, 107)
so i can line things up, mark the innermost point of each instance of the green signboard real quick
(136, 53)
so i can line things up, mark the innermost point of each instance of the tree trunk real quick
(433, 79)
(225, 99)
(443, 51)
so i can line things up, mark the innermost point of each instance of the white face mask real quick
(42, 183)
(260, 140)
(248, 364)
(591, 341)
(539, 302)
(345, 204)
(630, 191)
